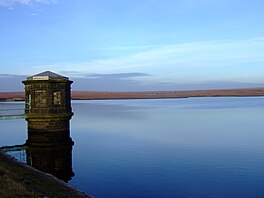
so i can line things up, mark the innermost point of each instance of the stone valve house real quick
(48, 108)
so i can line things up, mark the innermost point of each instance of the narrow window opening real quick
(29, 102)
(40, 98)
(57, 98)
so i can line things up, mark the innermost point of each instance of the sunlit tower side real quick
(48, 108)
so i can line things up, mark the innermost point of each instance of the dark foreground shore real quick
(20, 180)
(91, 95)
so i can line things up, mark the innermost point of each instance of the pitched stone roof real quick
(47, 75)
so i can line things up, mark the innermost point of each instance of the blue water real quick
(196, 147)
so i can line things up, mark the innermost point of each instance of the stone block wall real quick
(48, 111)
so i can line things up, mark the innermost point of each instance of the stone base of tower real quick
(48, 138)
(49, 130)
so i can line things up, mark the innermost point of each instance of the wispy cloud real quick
(118, 75)
(11, 82)
(12, 3)
(121, 48)
(122, 82)
(178, 60)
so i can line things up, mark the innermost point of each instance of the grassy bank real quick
(20, 180)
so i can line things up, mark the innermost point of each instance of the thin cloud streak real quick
(123, 82)
(160, 60)
(118, 75)
(12, 3)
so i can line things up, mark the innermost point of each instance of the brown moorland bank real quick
(20, 180)
(85, 95)
(92, 95)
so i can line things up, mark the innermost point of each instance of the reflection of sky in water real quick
(197, 147)
(13, 132)
(169, 122)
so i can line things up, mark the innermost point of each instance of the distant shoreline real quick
(98, 95)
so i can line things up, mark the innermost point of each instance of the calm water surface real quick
(198, 147)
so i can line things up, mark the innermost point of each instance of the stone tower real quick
(48, 108)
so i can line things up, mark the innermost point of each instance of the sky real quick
(134, 45)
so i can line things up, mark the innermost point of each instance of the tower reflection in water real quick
(54, 157)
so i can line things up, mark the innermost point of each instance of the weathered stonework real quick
(48, 108)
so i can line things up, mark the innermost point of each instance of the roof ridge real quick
(46, 75)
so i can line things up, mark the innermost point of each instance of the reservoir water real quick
(192, 147)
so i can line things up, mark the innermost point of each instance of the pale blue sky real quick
(147, 43)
